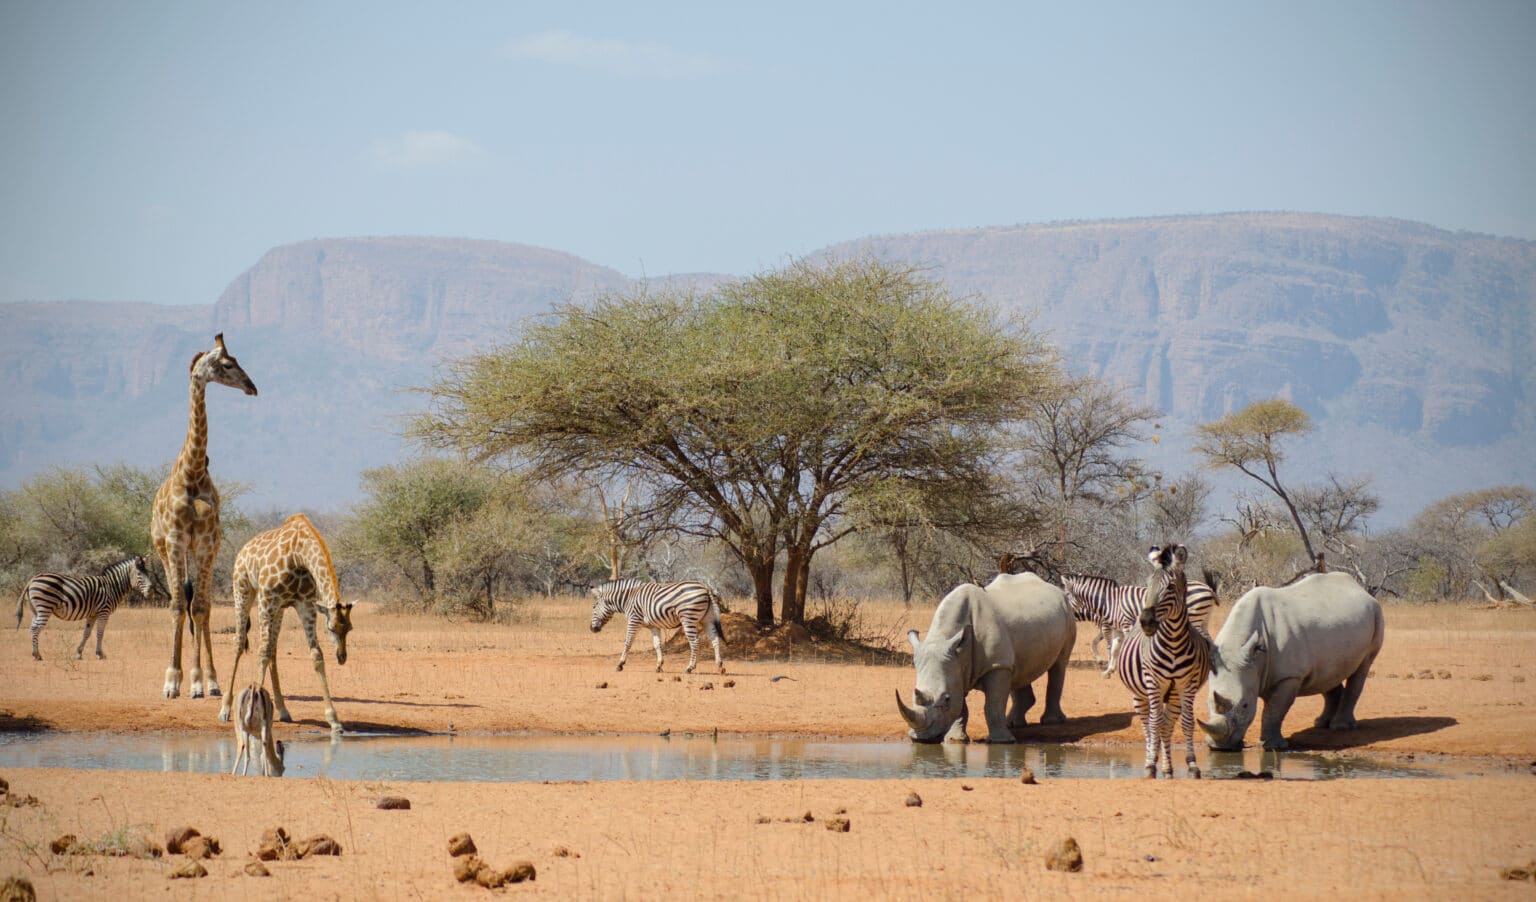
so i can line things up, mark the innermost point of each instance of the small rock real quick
(677, 679)
(965, 788)
(1426, 674)
(1209, 813)
(1408, 676)
(319, 844)
(63, 844)
(602, 685)
(763, 819)
(176, 837)
(395, 803)
(1068, 857)
(199, 847)
(191, 868)
(1444, 674)
(839, 825)
(520, 871)
(461, 844)
(1482, 677)
(1027, 777)
(256, 869)
(1528, 872)
(564, 852)
(1149, 858)
(1517, 678)
(707, 686)
(914, 800)
(17, 889)
(730, 684)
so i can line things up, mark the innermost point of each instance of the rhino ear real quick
(912, 638)
(957, 644)
(1253, 647)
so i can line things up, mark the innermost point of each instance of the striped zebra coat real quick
(1165, 663)
(660, 606)
(88, 598)
(1115, 608)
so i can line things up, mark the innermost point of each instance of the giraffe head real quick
(338, 622)
(218, 365)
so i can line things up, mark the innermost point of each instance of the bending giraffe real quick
(289, 566)
(184, 524)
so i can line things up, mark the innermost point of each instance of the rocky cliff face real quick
(1409, 345)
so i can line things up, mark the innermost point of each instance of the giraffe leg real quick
(271, 622)
(656, 641)
(84, 638)
(307, 618)
(243, 598)
(202, 611)
(101, 630)
(175, 580)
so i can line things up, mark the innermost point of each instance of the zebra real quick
(1115, 607)
(1166, 663)
(660, 606)
(88, 598)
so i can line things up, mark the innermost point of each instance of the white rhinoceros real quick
(1318, 636)
(998, 639)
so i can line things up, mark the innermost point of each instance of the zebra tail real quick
(715, 606)
(21, 604)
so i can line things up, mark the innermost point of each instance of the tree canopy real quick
(761, 411)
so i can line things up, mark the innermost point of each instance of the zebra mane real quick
(614, 585)
(122, 566)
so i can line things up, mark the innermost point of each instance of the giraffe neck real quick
(316, 558)
(192, 462)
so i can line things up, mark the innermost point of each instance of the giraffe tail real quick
(186, 593)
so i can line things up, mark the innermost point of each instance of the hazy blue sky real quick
(154, 150)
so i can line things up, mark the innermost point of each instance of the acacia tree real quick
(1249, 441)
(761, 409)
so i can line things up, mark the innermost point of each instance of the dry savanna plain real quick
(1452, 680)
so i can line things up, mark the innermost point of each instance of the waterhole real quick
(684, 757)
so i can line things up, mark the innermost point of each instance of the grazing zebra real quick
(1165, 663)
(1115, 608)
(660, 606)
(88, 598)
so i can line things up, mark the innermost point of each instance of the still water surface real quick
(564, 758)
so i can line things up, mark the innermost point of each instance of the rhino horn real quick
(1216, 733)
(916, 719)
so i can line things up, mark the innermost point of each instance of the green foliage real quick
(763, 411)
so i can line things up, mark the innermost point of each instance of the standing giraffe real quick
(184, 524)
(279, 568)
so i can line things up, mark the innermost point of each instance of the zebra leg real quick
(656, 643)
(1151, 711)
(39, 620)
(1187, 724)
(691, 632)
(101, 630)
(84, 638)
(1165, 741)
(629, 638)
(1094, 648)
(1115, 638)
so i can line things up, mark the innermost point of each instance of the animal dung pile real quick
(190, 868)
(256, 869)
(468, 867)
(838, 825)
(1518, 872)
(276, 845)
(189, 842)
(394, 803)
(1066, 857)
(914, 800)
(1027, 777)
(564, 852)
(17, 889)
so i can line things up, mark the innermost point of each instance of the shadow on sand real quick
(1372, 729)
(1076, 728)
(22, 723)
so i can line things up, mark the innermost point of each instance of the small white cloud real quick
(415, 149)
(643, 60)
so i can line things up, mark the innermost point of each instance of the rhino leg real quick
(1344, 718)
(1277, 704)
(957, 729)
(1055, 681)
(1023, 700)
(996, 689)
(1330, 707)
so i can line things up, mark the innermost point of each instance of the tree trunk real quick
(762, 590)
(797, 577)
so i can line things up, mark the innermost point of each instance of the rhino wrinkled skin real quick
(1316, 637)
(998, 639)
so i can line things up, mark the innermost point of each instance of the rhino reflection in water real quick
(998, 639)
(1319, 636)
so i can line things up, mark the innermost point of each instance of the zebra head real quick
(604, 605)
(338, 622)
(1166, 589)
(139, 577)
(218, 365)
